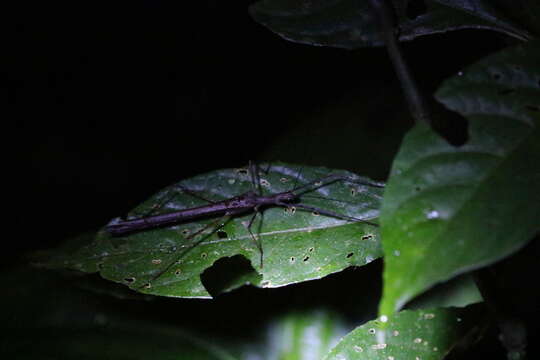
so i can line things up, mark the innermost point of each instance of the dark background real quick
(112, 102)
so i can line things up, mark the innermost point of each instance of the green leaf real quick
(458, 292)
(409, 334)
(297, 245)
(350, 24)
(448, 210)
(298, 335)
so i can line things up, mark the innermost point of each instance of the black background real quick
(114, 101)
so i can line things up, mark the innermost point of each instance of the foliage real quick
(450, 209)
(445, 211)
(297, 245)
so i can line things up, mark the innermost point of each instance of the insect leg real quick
(218, 223)
(255, 241)
(172, 193)
(255, 179)
(298, 174)
(330, 213)
(194, 194)
(329, 179)
(268, 167)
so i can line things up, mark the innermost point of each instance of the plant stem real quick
(416, 101)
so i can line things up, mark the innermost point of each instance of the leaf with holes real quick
(297, 245)
(350, 24)
(448, 210)
(409, 334)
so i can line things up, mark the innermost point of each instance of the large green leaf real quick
(409, 334)
(297, 245)
(350, 24)
(448, 210)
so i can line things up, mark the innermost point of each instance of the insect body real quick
(253, 201)
(237, 205)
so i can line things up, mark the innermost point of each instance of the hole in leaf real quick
(204, 255)
(129, 280)
(177, 272)
(311, 249)
(229, 273)
(306, 258)
(185, 232)
(242, 171)
(349, 255)
(367, 237)
(416, 8)
(293, 259)
(222, 234)
(290, 210)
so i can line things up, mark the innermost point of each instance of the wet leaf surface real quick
(409, 334)
(448, 210)
(298, 245)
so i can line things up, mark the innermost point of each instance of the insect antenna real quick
(297, 177)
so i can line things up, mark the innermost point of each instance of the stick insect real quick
(253, 201)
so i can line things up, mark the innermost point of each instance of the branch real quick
(417, 103)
